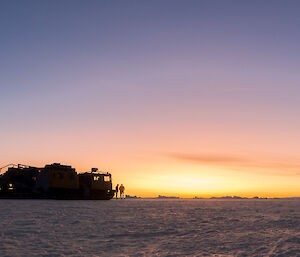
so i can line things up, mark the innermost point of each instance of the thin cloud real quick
(235, 161)
(209, 158)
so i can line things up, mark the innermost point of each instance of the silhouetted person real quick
(122, 189)
(117, 190)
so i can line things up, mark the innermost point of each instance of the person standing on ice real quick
(117, 190)
(122, 189)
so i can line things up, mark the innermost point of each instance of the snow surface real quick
(141, 227)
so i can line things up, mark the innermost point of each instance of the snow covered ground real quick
(140, 227)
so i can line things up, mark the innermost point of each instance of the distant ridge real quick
(167, 197)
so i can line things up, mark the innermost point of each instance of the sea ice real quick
(145, 227)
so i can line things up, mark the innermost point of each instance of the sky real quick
(184, 98)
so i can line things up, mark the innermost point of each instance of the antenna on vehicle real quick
(13, 166)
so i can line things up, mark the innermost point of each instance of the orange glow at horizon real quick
(206, 181)
(135, 162)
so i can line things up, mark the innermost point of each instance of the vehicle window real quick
(106, 178)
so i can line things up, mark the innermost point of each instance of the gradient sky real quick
(186, 98)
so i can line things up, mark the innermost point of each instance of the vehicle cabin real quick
(95, 181)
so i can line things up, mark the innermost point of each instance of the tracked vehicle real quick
(54, 181)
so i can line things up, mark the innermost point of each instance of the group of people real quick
(121, 189)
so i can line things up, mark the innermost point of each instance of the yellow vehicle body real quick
(63, 179)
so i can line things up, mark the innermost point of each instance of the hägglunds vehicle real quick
(54, 181)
